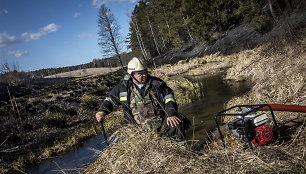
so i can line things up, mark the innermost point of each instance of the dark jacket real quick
(120, 95)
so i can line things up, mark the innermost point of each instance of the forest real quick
(158, 26)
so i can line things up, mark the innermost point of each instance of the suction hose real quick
(289, 108)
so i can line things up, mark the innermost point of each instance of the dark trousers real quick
(177, 132)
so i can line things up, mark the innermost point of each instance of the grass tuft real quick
(89, 102)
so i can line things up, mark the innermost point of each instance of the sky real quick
(38, 34)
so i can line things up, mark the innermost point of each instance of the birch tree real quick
(139, 37)
(109, 37)
(153, 35)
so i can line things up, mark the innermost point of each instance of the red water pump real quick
(263, 135)
(250, 125)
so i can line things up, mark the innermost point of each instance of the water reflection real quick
(215, 92)
(74, 161)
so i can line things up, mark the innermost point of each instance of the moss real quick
(72, 99)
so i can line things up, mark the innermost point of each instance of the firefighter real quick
(146, 101)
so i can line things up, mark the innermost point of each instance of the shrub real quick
(55, 109)
(100, 91)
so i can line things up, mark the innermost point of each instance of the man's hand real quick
(100, 116)
(173, 121)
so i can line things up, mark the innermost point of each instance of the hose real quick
(289, 108)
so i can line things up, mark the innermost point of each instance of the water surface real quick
(215, 92)
(73, 161)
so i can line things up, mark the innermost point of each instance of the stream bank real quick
(277, 74)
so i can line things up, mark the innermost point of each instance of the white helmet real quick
(136, 65)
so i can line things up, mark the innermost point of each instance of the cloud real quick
(131, 1)
(6, 40)
(41, 33)
(84, 36)
(76, 14)
(4, 11)
(98, 3)
(51, 28)
(18, 53)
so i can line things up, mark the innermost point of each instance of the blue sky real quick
(38, 34)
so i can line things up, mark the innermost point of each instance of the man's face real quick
(141, 77)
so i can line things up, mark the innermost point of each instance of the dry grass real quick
(140, 151)
(84, 72)
(180, 67)
(278, 77)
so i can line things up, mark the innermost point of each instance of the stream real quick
(214, 93)
(74, 161)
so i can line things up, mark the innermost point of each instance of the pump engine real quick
(250, 124)
(252, 127)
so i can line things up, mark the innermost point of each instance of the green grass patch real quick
(89, 102)
(58, 120)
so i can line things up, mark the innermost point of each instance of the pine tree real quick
(251, 12)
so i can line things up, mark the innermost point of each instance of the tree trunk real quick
(141, 45)
(271, 9)
(189, 33)
(162, 38)
(115, 46)
(168, 26)
(157, 49)
(144, 48)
